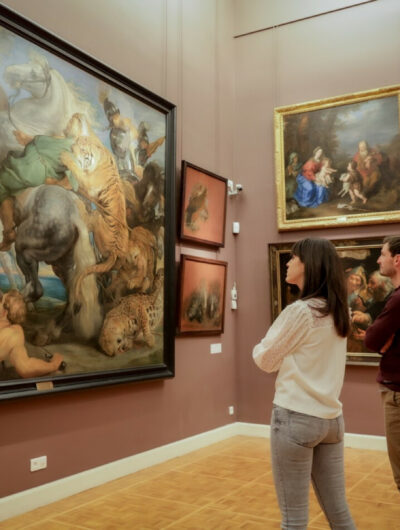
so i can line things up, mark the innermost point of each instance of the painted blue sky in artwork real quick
(376, 121)
(15, 50)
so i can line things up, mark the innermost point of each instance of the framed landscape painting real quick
(338, 161)
(367, 289)
(203, 211)
(87, 185)
(202, 296)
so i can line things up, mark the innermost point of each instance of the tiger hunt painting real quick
(86, 219)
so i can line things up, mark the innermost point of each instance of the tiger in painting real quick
(95, 171)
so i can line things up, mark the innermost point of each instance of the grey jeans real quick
(305, 448)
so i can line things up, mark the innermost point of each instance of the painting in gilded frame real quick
(338, 161)
(367, 289)
(88, 170)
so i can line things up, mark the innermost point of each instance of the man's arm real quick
(385, 326)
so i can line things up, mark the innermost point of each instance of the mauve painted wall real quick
(343, 52)
(157, 44)
(183, 50)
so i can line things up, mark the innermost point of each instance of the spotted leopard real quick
(136, 314)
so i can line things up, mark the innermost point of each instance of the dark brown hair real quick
(393, 243)
(324, 278)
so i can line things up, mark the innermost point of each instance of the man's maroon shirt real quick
(378, 333)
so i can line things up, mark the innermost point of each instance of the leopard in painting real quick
(136, 315)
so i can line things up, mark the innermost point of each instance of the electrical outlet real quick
(231, 410)
(38, 463)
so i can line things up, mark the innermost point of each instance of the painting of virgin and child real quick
(83, 201)
(338, 161)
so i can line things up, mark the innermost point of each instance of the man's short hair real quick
(393, 243)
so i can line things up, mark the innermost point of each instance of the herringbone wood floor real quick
(226, 486)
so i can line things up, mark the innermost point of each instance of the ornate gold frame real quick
(286, 220)
(349, 250)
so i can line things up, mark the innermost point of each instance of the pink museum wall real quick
(156, 44)
(338, 53)
(225, 91)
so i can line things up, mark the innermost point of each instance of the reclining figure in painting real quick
(12, 339)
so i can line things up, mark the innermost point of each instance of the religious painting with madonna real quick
(338, 161)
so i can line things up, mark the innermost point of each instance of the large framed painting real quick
(338, 161)
(203, 211)
(202, 296)
(367, 288)
(87, 164)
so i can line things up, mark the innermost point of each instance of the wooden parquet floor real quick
(225, 486)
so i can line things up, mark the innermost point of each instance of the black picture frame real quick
(23, 34)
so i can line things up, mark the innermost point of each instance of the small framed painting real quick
(203, 206)
(202, 296)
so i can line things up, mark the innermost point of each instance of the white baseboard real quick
(28, 500)
(365, 441)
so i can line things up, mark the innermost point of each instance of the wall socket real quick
(231, 410)
(38, 463)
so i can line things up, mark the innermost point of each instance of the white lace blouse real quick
(310, 357)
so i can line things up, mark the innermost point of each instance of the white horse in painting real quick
(51, 103)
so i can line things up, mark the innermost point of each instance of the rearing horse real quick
(51, 230)
(51, 103)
